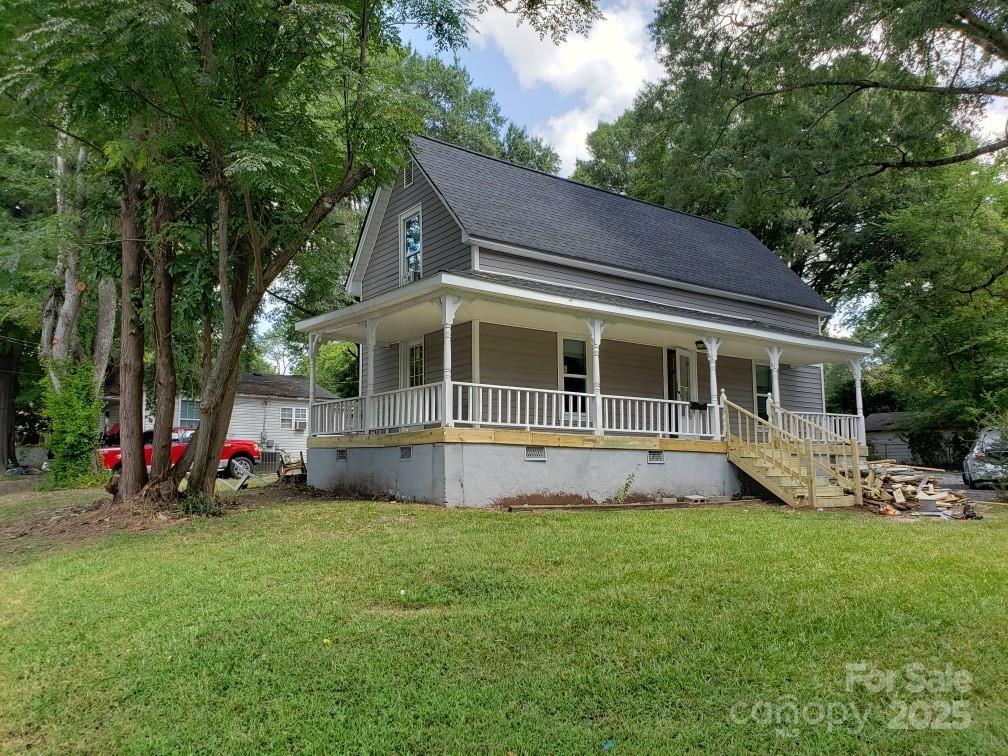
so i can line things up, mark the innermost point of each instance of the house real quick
(270, 409)
(521, 333)
(886, 435)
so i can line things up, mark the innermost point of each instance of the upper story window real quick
(410, 246)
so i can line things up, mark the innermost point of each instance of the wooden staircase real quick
(794, 468)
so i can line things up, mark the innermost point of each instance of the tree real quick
(455, 111)
(611, 153)
(256, 120)
(920, 57)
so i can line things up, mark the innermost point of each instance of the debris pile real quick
(908, 489)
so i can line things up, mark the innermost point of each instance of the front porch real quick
(484, 359)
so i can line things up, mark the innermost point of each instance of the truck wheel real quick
(239, 465)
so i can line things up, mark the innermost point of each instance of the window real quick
(414, 365)
(293, 418)
(575, 366)
(189, 414)
(410, 246)
(764, 388)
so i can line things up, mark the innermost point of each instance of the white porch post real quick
(713, 343)
(774, 355)
(449, 306)
(855, 366)
(313, 341)
(595, 330)
(370, 331)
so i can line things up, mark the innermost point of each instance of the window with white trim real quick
(763, 387)
(410, 246)
(189, 413)
(414, 365)
(293, 417)
(575, 365)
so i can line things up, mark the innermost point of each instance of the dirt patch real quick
(546, 499)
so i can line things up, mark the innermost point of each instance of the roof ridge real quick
(578, 183)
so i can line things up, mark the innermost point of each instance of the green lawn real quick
(378, 627)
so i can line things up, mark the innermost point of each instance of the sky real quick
(561, 92)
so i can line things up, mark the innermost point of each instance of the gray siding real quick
(517, 357)
(801, 388)
(734, 375)
(499, 262)
(461, 354)
(631, 369)
(386, 374)
(442, 238)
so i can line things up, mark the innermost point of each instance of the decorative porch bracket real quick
(450, 305)
(595, 330)
(713, 343)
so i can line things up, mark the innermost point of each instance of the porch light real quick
(700, 346)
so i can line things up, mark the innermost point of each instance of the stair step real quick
(835, 501)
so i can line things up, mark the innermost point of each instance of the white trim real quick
(404, 349)
(411, 167)
(475, 326)
(588, 360)
(664, 370)
(634, 275)
(366, 243)
(415, 210)
(474, 260)
(755, 387)
(822, 384)
(422, 291)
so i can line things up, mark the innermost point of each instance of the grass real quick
(379, 627)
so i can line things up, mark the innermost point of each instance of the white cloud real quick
(604, 70)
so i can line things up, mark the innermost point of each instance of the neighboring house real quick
(589, 337)
(886, 433)
(270, 409)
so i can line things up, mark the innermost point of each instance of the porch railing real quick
(664, 417)
(338, 416)
(512, 407)
(820, 426)
(404, 408)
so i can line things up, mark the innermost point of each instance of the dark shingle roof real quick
(887, 421)
(503, 202)
(641, 304)
(286, 386)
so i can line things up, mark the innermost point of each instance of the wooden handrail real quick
(783, 448)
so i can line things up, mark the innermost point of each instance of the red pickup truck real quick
(237, 456)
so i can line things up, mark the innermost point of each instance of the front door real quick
(679, 370)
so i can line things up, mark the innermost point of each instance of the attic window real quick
(407, 176)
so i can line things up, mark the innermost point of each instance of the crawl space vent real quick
(341, 455)
(656, 458)
(535, 453)
(405, 452)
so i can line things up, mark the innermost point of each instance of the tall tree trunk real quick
(104, 332)
(11, 360)
(131, 339)
(164, 361)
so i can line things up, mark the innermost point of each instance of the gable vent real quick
(656, 458)
(341, 455)
(405, 452)
(407, 176)
(535, 453)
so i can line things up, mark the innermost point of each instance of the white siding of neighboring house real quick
(257, 418)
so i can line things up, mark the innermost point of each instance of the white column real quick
(595, 331)
(713, 343)
(774, 355)
(855, 366)
(313, 341)
(370, 331)
(449, 307)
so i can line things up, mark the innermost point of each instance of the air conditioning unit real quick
(301, 425)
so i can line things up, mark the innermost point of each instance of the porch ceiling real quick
(413, 310)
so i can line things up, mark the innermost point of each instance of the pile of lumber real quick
(907, 489)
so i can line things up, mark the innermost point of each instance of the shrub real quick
(199, 505)
(73, 429)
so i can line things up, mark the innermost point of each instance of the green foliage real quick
(336, 368)
(199, 504)
(73, 429)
